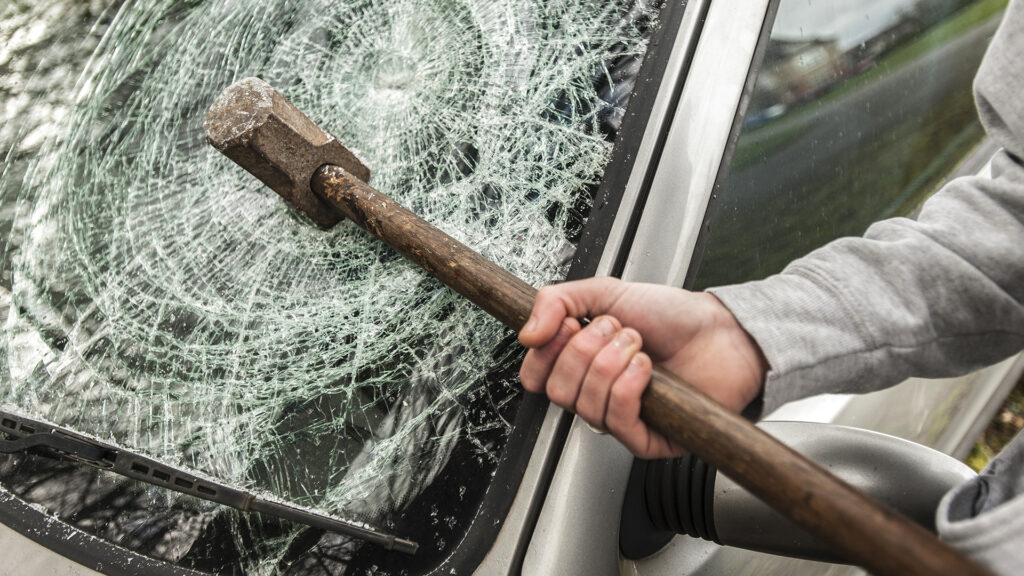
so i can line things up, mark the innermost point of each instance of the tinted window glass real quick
(159, 298)
(858, 111)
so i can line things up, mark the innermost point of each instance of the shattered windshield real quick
(159, 298)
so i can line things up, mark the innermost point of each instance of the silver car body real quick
(565, 517)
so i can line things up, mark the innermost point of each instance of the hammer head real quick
(257, 127)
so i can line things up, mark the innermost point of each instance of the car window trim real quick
(701, 241)
(700, 136)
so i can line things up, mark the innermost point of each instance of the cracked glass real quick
(159, 298)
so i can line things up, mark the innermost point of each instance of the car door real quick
(797, 122)
(524, 488)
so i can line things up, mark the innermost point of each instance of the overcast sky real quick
(851, 21)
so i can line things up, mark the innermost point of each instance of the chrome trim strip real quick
(696, 143)
(649, 153)
(499, 559)
(577, 532)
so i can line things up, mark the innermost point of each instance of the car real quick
(168, 313)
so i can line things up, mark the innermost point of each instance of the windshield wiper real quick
(24, 434)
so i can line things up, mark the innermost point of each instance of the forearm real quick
(939, 296)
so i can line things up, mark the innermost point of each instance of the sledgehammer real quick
(258, 128)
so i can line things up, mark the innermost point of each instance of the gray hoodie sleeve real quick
(937, 296)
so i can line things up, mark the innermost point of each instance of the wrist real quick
(744, 348)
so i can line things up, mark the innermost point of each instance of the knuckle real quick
(528, 382)
(533, 372)
(545, 294)
(524, 375)
(603, 371)
(606, 366)
(621, 392)
(563, 396)
(570, 326)
(615, 426)
(589, 405)
(586, 411)
(580, 347)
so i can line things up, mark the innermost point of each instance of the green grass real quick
(758, 142)
(885, 174)
(1007, 422)
(888, 173)
(962, 22)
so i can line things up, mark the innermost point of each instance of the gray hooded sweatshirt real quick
(941, 295)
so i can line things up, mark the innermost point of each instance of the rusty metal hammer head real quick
(257, 127)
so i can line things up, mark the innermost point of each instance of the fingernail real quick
(530, 324)
(637, 362)
(624, 339)
(604, 326)
(564, 331)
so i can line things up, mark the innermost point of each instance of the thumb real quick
(577, 299)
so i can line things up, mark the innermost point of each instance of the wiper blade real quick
(25, 434)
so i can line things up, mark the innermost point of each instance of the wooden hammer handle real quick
(869, 533)
(482, 282)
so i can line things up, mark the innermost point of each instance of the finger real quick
(606, 368)
(571, 366)
(623, 415)
(577, 299)
(536, 367)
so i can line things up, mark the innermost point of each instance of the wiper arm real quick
(26, 434)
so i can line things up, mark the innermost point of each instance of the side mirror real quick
(688, 496)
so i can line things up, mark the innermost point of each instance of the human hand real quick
(599, 372)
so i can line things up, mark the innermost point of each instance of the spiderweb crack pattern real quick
(164, 300)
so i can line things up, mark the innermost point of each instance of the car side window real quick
(859, 110)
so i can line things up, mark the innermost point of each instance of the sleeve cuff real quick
(803, 326)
